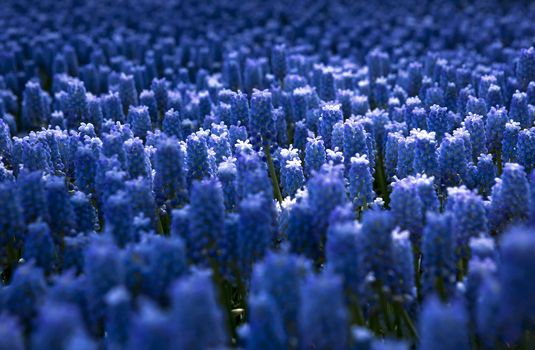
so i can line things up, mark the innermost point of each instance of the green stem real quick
(397, 320)
(417, 272)
(272, 174)
(462, 267)
(356, 312)
(384, 307)
(406, 318)
(441, 289)
(165, 221)
(159, 226)
(528, 341)
(373, 323)
(499, 161)
(381, 178)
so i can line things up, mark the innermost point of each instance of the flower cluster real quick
(267, 175)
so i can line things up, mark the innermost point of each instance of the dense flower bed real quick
(267, 175)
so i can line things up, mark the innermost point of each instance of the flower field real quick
(303, 175)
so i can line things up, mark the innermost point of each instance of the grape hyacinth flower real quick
(323, 327)
(206, 221)
(139, 119)
(103, 270)
(360, 182)
(11, 333)
(425, 154)
(407, 207)
(509, 141)
(118, 316)
(314, 155)
(56, 326)
(517, 297)
(508, 198)
(330, 114)
(170, 177)
(342, 250)
(195, 314)
(255, 230)
(444, 326)
(25, 292)
(469, 216)
(292, 177)
(39, 246)
(279, 276)
(376, 255)
(127, 91)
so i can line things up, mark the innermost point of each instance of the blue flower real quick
(60, 211)
(127, 91)
(255, 231)
(517, 301)
(118, 316)
(525, 149)
(112, 107)
(494, 128)
(137, 161)
(33, 196)
(402, 284)
(451, 161)
(56, 326)
(300, 231)
(195, 314)
(509, 197)
(314, 155)
(437, 121)
(103, 270)
(354, 141)
(407, 207)
(25, 292)
(425, 153)
(525, 68)
(469, 215)
(11, 332)
(278, 276)
(206, 221)
(292, 177)
(327, 89)
(509, 141)
(323, 317)
(376, 250)
(475, 125)
(265, 325)
(330, 114)
(12, 224)
(118, 218)
(261, 120)
(519, 112)
(360, 181)
(278, 61)
(35, 106)
(139, 119)
(77, 111)
(405, 156)
(169, 178)
(148, 99)
(159, 88)
(84, 213)
(486, 173)
(342, 255)
(439, 262)
(197, 158)
(443, 326)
